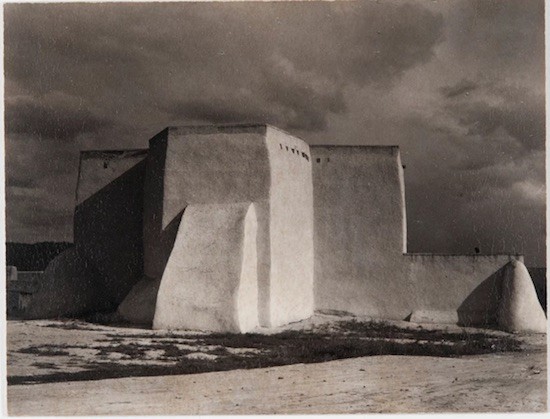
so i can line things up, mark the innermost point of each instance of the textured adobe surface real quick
(210, 281)
(139, 305)
(68, 288)
(291, 229)
(360, 240)
(231, 164)
(519, 308)
(197, 165)
(359, 224)
(108, 219)
(468, 286)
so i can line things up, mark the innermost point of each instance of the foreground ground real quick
(64, 368)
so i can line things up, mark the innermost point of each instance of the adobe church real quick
(230, 228)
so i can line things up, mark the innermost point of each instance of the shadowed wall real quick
(108, 218)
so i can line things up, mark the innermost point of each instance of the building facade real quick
(227, 228)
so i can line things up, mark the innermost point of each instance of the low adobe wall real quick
(68, 287)
(466, 286)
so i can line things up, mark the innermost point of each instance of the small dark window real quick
(280, 145)
(286, 148)
(318, 160)
(292, 151)
(105, 164)
(328, 159)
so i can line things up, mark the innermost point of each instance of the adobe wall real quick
(360, 240)
(359, 224)
(199, 165)
(98, 168)
(469, 286)
(291, 227)
(68, 287)
(230, 164)
(210, 281)
(519, 309)
(108, 218)
(326, 230)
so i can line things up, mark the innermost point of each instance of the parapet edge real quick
(208, 129)
(282, 131)
(219, 128)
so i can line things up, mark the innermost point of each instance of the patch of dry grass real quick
(346, 339)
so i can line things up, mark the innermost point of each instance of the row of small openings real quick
(295, 151)
(319, 159)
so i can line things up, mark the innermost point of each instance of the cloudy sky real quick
(458, 85)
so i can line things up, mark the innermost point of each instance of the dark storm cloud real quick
(39, 160)
(47, 221)
(460, 88)
(458, 85)
(53, 117)
(519, 113)
(292, 59)
(112, 74)
(218, 112)
(498, 209)
(500, 38)
(44, 209)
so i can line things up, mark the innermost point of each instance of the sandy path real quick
(391, 384)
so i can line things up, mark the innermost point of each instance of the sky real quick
(457, 84)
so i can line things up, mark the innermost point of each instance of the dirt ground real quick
(500, 382)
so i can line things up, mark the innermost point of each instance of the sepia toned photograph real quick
(287, 207)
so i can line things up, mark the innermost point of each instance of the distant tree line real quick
(33, 257)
